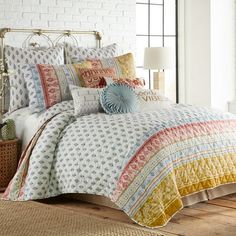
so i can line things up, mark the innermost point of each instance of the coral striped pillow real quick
(95, 78)
(134, 83)
(49, 84)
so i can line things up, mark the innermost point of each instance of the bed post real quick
(3, 71)
(98, 38)
(3, 31)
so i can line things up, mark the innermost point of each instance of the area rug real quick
(34, 218)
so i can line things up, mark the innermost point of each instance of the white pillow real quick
(86, 100)
(77, 54)
(151, 99)
(16, 57)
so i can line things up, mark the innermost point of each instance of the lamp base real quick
(159, 81)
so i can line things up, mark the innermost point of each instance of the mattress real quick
(26, 124)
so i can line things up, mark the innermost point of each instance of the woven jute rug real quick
(34, 219)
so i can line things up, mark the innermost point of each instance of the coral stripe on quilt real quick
(174, 163)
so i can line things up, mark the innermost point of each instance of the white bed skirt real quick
(187, 201)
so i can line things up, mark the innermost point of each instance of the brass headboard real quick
(46, 34)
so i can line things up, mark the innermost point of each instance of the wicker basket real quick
(8, 161)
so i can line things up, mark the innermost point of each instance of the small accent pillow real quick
(16, 57)
(86, 100)
(77, 54)
(118, 99)
(49, 84)
(124, 65)
(95, 78)
(151, 99)
(134, 83)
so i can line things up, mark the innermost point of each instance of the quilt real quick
(144, 162)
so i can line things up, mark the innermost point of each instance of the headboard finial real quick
(68, 33)
(3, 31)
(98, 35)
(38, 32)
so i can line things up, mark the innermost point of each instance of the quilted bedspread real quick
(144, 162)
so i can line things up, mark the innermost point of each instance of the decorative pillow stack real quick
(86, 100)
(40, 81)
(49, 84)
(117, 68)
(116, 99)
(77, 54)
(16, 57)
(151, 99)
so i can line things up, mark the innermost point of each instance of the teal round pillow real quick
(119, 98)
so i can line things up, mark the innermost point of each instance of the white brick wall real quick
(115, 19)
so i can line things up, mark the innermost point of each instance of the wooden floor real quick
(215, 217)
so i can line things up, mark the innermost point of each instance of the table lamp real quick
(158, 58)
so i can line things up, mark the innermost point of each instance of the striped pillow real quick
(134, 83)
(95, 78)
(123, 65)
(49, 84)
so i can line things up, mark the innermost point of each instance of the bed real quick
(150, 164)
(26, 126)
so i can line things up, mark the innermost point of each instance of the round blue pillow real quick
(119, 98)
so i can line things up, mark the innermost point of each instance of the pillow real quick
(86, 100)
(95, 78)
(118, 99)
(134, 83)
(16, 57)
(49, 84)
(124, 65)
(151, 99)
(77, 54)
(78, 67)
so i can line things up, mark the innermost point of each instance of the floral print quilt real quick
(144, 162)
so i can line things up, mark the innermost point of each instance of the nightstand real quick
(9, 157)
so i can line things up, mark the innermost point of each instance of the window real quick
(156, 22)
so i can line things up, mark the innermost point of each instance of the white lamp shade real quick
(157, 58)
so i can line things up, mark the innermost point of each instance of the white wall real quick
(207, 70)
(197, 52)
(114, 19)
(222, 53)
